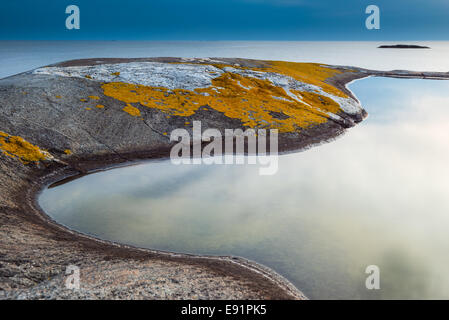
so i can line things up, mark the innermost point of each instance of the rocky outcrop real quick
(77, 116)
(403, 46)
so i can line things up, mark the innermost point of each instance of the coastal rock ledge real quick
(75, 117)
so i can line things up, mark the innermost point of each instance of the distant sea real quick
(20, 56)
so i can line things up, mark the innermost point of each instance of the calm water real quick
(20, 56)
(378, 195)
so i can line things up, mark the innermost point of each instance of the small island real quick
(402, 46)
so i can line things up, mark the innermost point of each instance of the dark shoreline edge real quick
(246, 268)
(259, 278)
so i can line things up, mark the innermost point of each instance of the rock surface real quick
(77, 116)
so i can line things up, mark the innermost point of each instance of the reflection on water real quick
(378, 195)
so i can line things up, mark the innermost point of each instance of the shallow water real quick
(379, 195)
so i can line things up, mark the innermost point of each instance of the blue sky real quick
(225, 20)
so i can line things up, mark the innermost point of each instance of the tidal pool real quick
(379, 195)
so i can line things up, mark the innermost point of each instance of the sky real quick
(224, 20)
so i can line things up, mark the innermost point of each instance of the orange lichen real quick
(83, 100)
(99, 106)
(131, 110)
(312, 73)
(88, 76)
(58, 97)
(88, 108)
(115, 74)
(256, 102)
(17, 147)
(94, 97)
(67, 151)
(318, 100)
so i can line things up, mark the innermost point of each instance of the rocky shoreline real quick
(54, 112)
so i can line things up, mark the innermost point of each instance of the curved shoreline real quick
(249, 266)
(261, 282)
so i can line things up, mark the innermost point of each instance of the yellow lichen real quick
(115, 74)
(256, 102)
(99, 106)
(318, 100)
(83, 100)
(58, 97)
(88, 108)
(132, 110)
(17, 147)
(312, 73)
(68, 151)
(94, 97)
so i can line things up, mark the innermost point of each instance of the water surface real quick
(21, 56)
(378, 195)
